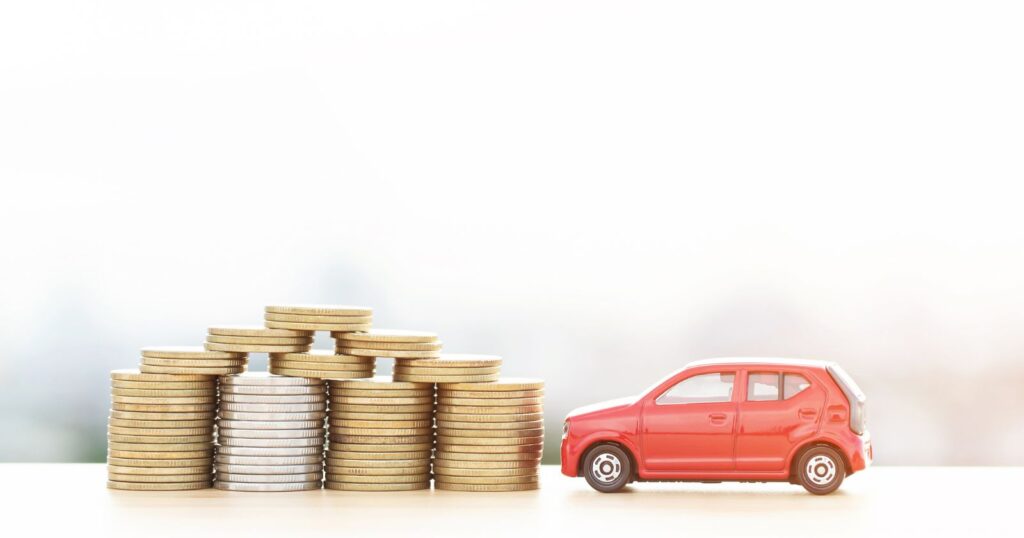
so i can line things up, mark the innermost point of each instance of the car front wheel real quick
(607, 468)
(820, 470)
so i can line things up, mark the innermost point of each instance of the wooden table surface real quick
(72, 500)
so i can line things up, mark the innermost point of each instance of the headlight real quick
(565, 429)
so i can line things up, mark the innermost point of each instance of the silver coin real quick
(266, 379)
(269, 469)
(263, 451)
(269, 460)
(273, 408)
(271, 424)
(302, 442)
(270, 478)
(273, 398)
(256, 390)
(243, 433)
(280, 417)
(254, 486)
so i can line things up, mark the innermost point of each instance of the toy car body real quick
(800, 421)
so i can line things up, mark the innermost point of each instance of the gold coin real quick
(156, 400)
(378, 479)
(364, 400)
(188, 353)
(358, 408)
(156, 464)
(336, 415)
(387, 335)
(334, 327)
(257, 348)
(490, 480)
(392, 346)
(159, 478)
(496, 410)
(395, 353)
(319, 319)
(479, 488)
(164, 439)
(282, 417)
(157, 447)
(206, 371)
(381, 424)
(487, 394)
(150, 486)
(456, 360)
(443, 471)
(445, 378)
(384, 393)
(272, 340)
(199, 426)
(486, 402)
(530, 464)
(256, 331)
(272, 399)
(401, 369)
(377, 456)
(380, 439)
(527, 434)
(321, 310)
(144, 455)
(391, 447)
(323, 374)
(163, 416)
(162, 432)
(321, 366)
(490, 449)
(321, 356)
(416, 463)
(159, 408)
(503, 384)
(136, 375)
(379, 383)
(484, 427)
(344, 486)
(378, 471)
(426, 430)
(488, 418)
(208, 384)
(195, 363)
(152, 471)
(164, 393)
(488, 441)
(532, 457)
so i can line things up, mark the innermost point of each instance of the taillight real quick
(856, 398)
(565, 429)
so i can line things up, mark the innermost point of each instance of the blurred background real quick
(599, 192)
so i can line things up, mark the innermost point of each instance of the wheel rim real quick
(606, 468)
(820, 470)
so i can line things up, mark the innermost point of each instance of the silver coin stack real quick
(270, 433)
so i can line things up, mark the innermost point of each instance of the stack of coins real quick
(161, 431)
(322, 364)
(339, 318)
(381, 435)
(256, 339)
(191, 360)
(270, 433)
(397, 344)
(490, 436)
(449, 368)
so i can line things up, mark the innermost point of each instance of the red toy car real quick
(758, 420)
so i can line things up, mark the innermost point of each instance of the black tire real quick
(613, 469)
(820, 470)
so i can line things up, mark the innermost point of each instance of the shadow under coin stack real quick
(270, 433)
(192, 360)
(256, 339)
(381, 435)
(322, 364)
(490, 436)
(161, 431)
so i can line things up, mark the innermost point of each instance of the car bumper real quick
(570, 459)
(863, 453)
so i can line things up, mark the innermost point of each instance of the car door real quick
(778, 410)
(689, 426)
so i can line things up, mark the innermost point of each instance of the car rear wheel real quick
(820, 470)
(607, 468)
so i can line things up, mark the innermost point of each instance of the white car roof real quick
(811, 363)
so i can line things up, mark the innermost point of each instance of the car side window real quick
(762, 386)
(794, 384)
(702, 388)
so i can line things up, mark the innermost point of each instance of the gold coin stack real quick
(161, 431)
(270, 433)
(338, 318)
(490, 436)
(322, 364)
(397, 344)
(381, 435)
(256, 339)
(191, 360)
(449, 368)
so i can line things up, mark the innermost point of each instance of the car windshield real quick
(660, 381)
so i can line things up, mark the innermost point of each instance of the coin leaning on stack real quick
(397, 344)
(256, 339)
(381, 435)
(449, 368)
(191, 360)
(160, 435)
(322, 364)
(490, 436)
(339, 318)
(270, 433)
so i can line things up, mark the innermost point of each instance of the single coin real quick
(391, 346)
(320, 366)
(378, 479)
(270, 478)
(208, 384)
(143, 455)
(145, 464)
(377, 456)
(493, 410)
(499, 394)
(364, 400)
(160, 478)
(269, 460)
(345, 486)
(490, 480)
(384, 393)
(187, 352)
(264, 379)
(321, 356)
(488, 418)
(156, 400)
(413, 408)
(195, 363)
(503, 384)
(321, 310)
(387, 335)
(333, 327)
(479, 488)
(446, 378)
(530, 464)
(488, 402)
(378, 439)
(445, 372)
(274, 408)
(206, 371)
(269, 424)
(486, 427)
(385, 432)
(152, 471)
(161, 432)
(245, 442)
(272, 340)
(149, 486)
(227, 429)
(377, 471)
(160, 447)
(256, 348)
(336, 414)
(160, 408)
(269, 469)
(378, 383)
(159, 439)
(532, 457)
(164, 393)
(489, 449)
(230, 397)
(380, 424)
(257, 331)
(319, 319)
(488, 441)
(324, 374)
(281, 417)
(441, 470)
(255, 390)
(457, 360)
(136, 375)
(276, 486)
(390, 447)
(272, 452)
(161, 415)
(395, 353)
(529, 434)
(380, 464)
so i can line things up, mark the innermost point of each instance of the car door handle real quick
(807, 413)
(717, 418)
